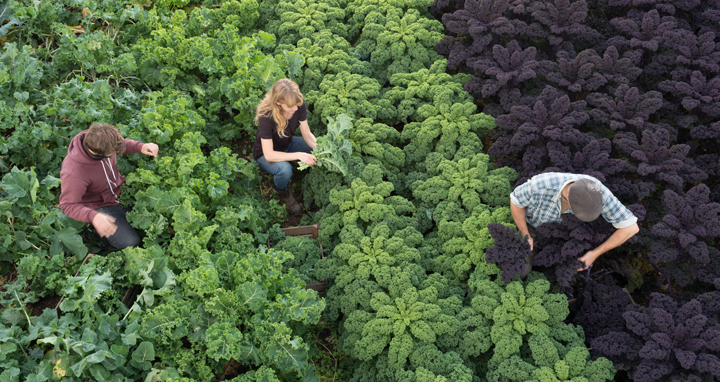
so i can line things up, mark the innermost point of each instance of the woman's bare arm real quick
(307, 135)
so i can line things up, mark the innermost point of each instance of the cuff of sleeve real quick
(625, 223)
(133, 147)
(91, 216)
(515, 201)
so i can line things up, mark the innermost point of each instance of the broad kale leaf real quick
(334, 148)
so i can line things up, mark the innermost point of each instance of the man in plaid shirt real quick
(544, 197)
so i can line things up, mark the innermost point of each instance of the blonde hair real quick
(284, 91)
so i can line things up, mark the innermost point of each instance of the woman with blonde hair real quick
(279, 114)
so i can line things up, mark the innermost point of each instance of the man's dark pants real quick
(125, 235)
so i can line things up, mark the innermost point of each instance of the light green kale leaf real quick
(334, 148)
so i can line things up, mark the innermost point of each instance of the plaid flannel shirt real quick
(540, 196)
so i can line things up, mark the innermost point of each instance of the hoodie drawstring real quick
(110, 182)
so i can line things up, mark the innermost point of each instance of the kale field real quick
(428, 115)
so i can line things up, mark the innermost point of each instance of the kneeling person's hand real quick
(104, 224)
(308, 159)
(150, 149)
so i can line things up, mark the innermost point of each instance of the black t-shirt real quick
(267, 129)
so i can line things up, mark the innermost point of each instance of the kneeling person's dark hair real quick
(104, 139)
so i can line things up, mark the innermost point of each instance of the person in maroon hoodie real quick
(90, 182)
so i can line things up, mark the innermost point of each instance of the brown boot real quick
(286, 197)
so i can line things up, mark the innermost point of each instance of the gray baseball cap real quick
(585, 198)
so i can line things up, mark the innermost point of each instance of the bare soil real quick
(49, 302)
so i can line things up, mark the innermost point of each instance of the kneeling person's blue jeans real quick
(282, 171)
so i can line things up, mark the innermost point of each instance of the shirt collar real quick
(557, 196)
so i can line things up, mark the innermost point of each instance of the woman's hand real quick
(308, 159)
(149, 149)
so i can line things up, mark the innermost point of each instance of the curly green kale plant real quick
(358, 10)
(305, 255)
(355, 210)
(548, 364)
(318, 184)
(464, 242)
(519, 310)
(373, 256)
(351, 94)
(457, 127)
(398, 42)
(399, 320)
(426, 363)
(369, 263)
(379, 141)
(523, 315)
(426, 92)
(325, 53)
(334, 148)
(467, 180)
(297, 19)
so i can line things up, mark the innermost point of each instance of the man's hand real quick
(617, 238)
(149, 149)
(530, 240)
(588, 259)
(308, 159)
(104, 224)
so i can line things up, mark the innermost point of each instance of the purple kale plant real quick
(645, 31)
(509, 251)
(601, 307)
(654, 160)
(507, 67)
(695, 93)
(665, 341)
(480, 21)
(594, 160)
(693, 51)
(690, 222)
(712, 131)
(562, 19)
(553, 117)
(627, 109)
(618, 69)
(578, 73)
(708, 272)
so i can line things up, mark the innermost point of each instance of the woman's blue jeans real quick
(282, 171)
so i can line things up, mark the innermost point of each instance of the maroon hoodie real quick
(86, 183)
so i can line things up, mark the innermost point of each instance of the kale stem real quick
(587, 275)
(23, 308)
(662, 272)
(603, 275)
(596, 273)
